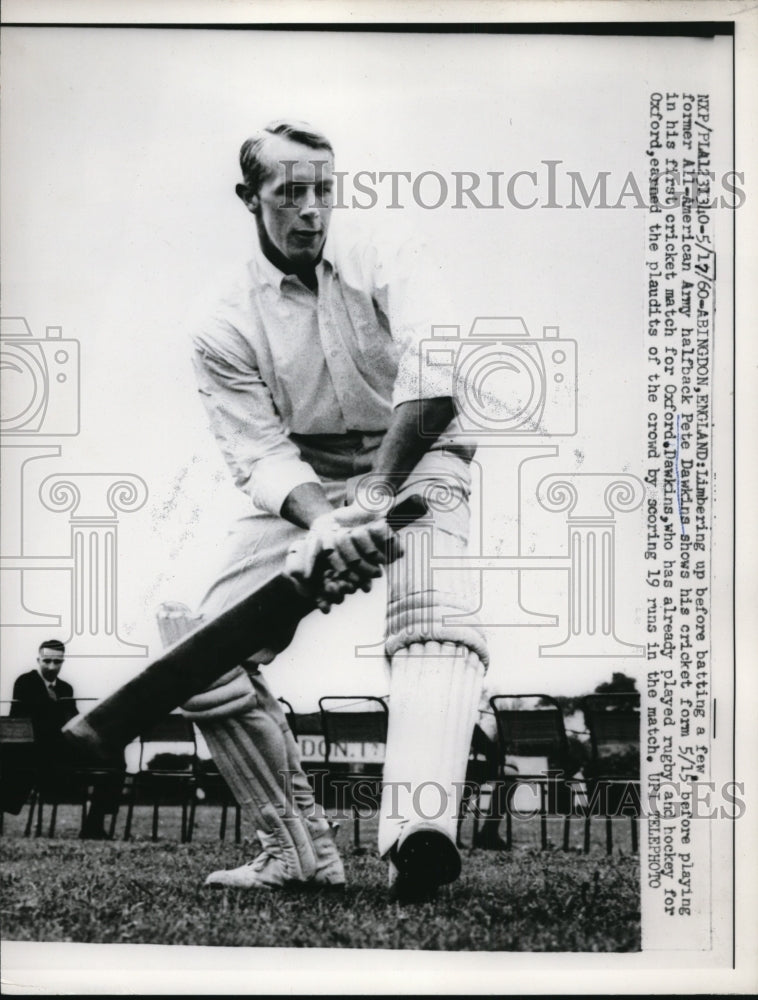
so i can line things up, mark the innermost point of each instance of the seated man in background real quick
(41, 695)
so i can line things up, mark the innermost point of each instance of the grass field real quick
(64, 889)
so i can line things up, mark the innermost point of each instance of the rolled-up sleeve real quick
(412, 292)
(263, 461)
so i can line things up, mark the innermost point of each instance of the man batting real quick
(312, 373)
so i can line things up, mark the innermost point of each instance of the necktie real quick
(51, 692)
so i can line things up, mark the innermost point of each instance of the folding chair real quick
(82, 784)
(18, 758)
(308, 730)
(536, 731)
(482, 775)
(57, 780)
(169, 784)
(345, 720)
(289, 711)
(478, 772)
(71, 784)
(217, 790)
(613, 782)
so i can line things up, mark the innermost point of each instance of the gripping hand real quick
(342, 552)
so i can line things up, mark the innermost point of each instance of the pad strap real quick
(230, 695)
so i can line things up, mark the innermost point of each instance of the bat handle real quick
(412, 509)
(407, 511)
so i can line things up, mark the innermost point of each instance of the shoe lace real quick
(260, 861)
(270, 852)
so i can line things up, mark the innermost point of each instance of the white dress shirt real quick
(277, 358)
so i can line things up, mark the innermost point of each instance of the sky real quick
(120, 223)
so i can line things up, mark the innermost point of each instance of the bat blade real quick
(193, 663)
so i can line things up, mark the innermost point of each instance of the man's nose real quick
(309, 207)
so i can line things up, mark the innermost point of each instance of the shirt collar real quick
(329, 253)
(269, 274)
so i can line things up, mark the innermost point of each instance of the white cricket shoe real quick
(269, 870)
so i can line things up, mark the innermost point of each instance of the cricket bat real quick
(200, 657)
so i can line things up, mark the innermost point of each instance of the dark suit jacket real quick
(31, 700)
(53, 756)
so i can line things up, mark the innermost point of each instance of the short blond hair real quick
(252, 161)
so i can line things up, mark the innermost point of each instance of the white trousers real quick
(256, 548)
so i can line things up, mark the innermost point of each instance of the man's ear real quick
(250, 200)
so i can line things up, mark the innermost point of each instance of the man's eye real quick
(290, 193)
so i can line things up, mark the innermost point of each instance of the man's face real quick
(294, 203)
(50, 662)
